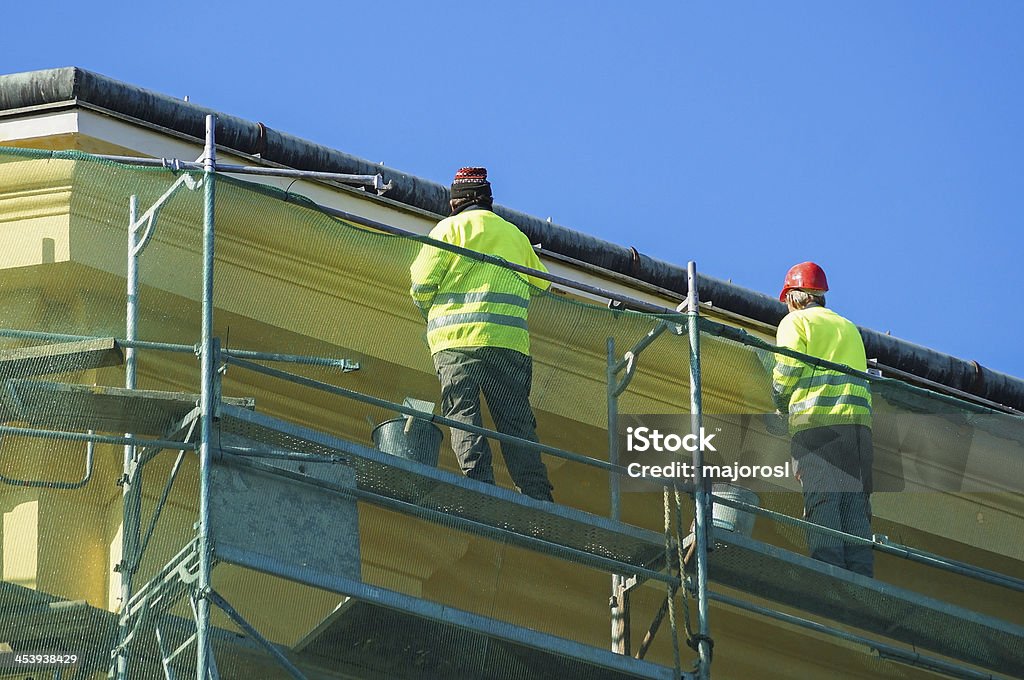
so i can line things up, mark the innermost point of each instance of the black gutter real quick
(74, 85)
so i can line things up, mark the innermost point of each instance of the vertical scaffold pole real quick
(207, 406)
(618, 603)
(132, 313)
(131, 490)
(701, 495)
(613, 435)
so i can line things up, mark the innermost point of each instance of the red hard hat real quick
(805, 275)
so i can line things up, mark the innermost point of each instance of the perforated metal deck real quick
(360, 635)
(104, 409)
(31, 620)
(62, 357)
(423, 490)
(852, 599)
(356, 640)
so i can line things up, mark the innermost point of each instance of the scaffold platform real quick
(486, 509)
(346, 468)
(63, 357)
(356, 634)
(248, 440)
(842, 596)
(69, 406)
(351, 642)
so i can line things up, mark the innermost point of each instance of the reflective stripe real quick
(423, 295)
(823, 401)
(787, 370)
(476, 304)
(835, 379)
(476, 317)
(486, 297)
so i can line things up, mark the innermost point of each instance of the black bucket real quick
(412, 439)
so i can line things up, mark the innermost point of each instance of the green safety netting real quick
(291, 279)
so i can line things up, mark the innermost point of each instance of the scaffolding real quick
(258, 475)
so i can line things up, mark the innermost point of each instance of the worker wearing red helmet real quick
(829, 417)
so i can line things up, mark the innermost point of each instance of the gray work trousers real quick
(834, 468)
(504, 376)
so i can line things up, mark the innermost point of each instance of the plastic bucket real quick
(412, 439)
(731, 519)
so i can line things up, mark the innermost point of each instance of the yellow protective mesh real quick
(290, 279)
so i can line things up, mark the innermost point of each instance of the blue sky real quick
(884, 140)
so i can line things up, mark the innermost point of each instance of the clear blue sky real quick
(885, 140)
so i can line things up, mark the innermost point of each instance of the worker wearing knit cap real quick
(476, 314)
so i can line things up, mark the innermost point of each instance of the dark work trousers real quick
(834, 468)
(504, 377)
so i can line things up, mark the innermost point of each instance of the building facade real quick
(357, 568)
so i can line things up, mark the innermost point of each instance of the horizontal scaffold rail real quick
(842, 596)
(441, 496)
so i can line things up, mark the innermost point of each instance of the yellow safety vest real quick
(815, 396)
(468, 303)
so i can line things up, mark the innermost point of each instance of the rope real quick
(670, 595)
(683, 559)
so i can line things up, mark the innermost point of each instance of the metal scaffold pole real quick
(613, 439)
(207, 405)
(131, 489)
(618, 600)
(701, 496)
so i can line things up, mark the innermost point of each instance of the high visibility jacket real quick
(815, 396)
(468, 303)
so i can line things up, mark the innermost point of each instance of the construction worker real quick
(829, 418)
(477, 331)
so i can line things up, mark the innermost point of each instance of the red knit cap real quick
(470, 175)
(471, 183)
